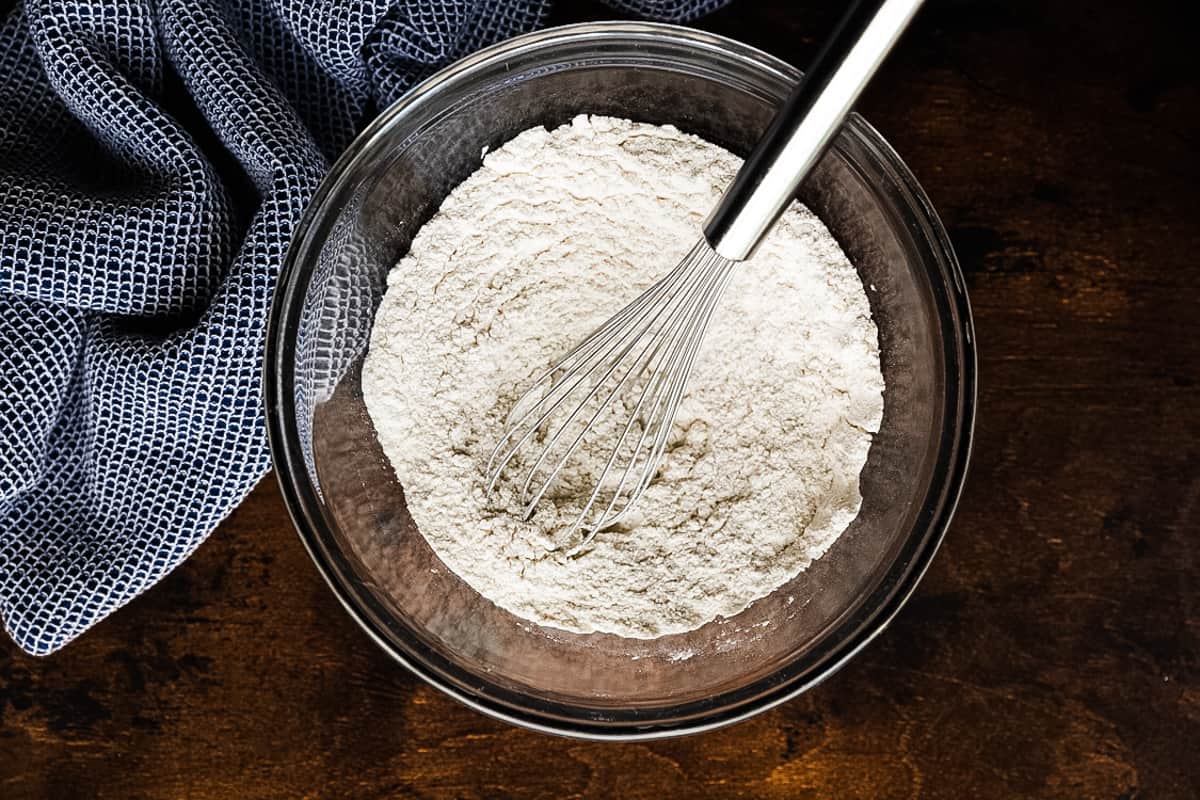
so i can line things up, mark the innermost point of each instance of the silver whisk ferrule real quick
(616, 392)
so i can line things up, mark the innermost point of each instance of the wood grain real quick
(1053, 651)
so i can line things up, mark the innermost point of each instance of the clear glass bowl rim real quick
(304, 505)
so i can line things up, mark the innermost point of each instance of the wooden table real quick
(1052, 651)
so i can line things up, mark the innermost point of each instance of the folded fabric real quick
(154, 157)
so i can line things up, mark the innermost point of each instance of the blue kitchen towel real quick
(154, 158)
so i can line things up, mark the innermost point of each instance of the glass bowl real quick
(351, 512)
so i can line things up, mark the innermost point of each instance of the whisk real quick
(626, 379)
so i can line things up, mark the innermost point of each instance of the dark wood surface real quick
(1051, 652)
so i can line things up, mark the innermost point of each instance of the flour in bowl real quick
(555, 232)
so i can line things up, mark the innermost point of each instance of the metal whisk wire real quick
(656, 336)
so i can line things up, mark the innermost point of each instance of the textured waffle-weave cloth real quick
(154, 158)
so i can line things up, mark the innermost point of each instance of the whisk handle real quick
(805, 125)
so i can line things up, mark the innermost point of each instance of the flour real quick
(556, 231)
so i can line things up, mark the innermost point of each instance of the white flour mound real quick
(555, 232)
